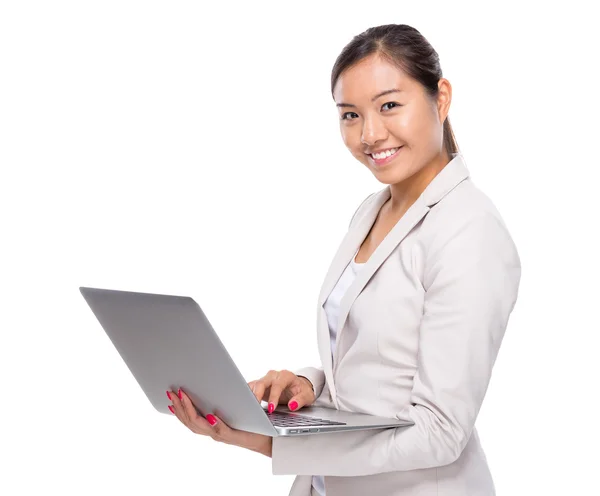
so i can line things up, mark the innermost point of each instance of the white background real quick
(187, 149)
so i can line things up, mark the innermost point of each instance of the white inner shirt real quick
(332, 309)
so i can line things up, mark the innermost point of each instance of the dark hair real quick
(407, 49)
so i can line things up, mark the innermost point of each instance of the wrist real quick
(306, 379)
(269, 447)
(264, 447)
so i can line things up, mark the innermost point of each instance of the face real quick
(375, 119)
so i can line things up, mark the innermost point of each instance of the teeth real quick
(381, 155)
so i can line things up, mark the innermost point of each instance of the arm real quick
(471, 283)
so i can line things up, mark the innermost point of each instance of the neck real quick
(405, 193)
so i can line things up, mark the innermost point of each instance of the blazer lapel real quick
(410, 219)
(348, 247)
(350, 244)
(449, 177)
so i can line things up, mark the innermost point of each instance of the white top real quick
(332, 308)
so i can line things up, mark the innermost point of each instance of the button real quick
(314, 430)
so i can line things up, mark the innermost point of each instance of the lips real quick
(386, 160)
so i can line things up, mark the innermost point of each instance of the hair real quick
(407, 49)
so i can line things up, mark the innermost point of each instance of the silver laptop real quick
(167, 343)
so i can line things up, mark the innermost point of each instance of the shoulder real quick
(470, 218)
(465, 204)
(466, 201)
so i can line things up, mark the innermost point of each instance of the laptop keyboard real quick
(280, 419)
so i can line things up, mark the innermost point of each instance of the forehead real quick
(370, 76)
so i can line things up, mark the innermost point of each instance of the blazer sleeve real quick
(471, 279)
(315, 375)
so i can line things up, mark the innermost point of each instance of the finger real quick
(182, 408)
(188, 406)
(261, 390)
(179, 406)
(170, 395)
(300, 400)
(281, 382)
(194, 421)
(252, 386)
(218, 429)
(303, 394)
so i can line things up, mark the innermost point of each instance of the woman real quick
(414, 307)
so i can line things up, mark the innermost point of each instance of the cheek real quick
(413, 125)
(424, 125)
(351, 138)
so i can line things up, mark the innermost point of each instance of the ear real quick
(444, 98)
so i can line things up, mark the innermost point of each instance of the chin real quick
(390, 176)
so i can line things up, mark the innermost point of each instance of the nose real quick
(373, 131)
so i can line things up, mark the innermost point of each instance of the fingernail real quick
(169, 395)
(271, 407)
(293, 405)
(211, 419)
(179, 393)
(172, 409)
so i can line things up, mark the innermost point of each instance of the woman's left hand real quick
(214, 427)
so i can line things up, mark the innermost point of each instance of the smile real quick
(385, 157)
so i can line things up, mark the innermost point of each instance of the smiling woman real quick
(415, 304)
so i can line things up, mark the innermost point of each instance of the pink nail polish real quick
(172, 409)
(293, 405)
(271, 407)
(211, 419)
(169, 395)
(179, 393)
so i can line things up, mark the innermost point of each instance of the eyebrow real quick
(386, 92)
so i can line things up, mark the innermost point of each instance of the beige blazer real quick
(418, 334)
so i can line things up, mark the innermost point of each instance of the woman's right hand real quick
(283, 386)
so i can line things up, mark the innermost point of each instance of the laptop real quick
(167, 343)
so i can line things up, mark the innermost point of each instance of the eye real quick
(391, 103)
(345, 114)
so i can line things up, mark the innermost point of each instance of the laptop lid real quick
(167, 342)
